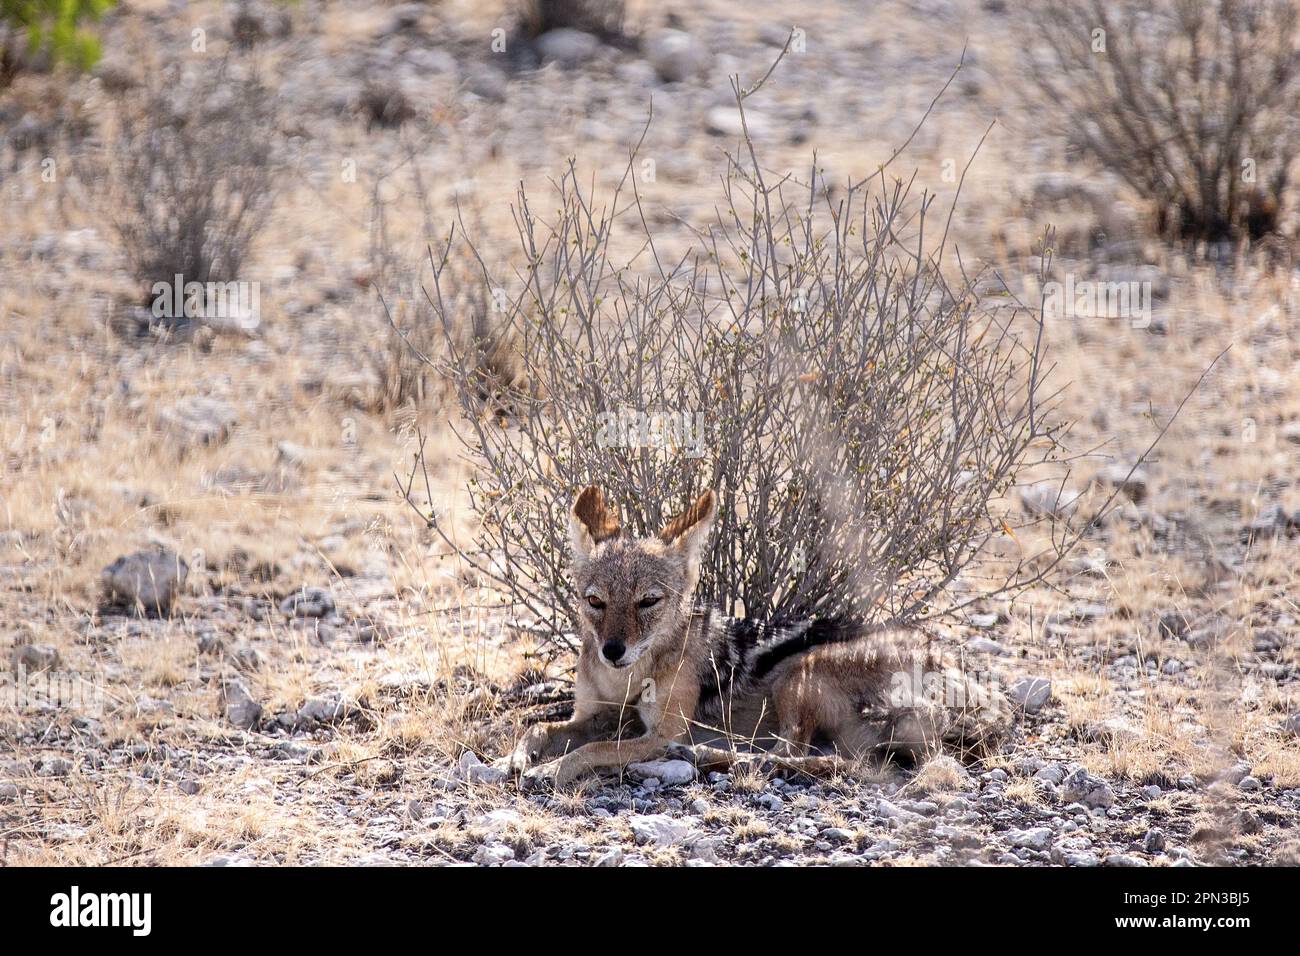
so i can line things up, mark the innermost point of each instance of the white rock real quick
(892, 812)
(669, 773)
(676, 55)
(475, 771)
(725, 121)
(567, 46)
(238, 704)
(704, 851)
(497, 821)
(488, 83)
(493, 854)
(432, 62)
(199, 421)
(1031, 693)
(288, 453)
(1082, 787)
(1038, 838)
(1052, 773)
(635, 74)
(837, 835)
(469, 759)
(660, 829)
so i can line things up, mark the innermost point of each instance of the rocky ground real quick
(282, 666)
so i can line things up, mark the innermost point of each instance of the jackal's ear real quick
(591, 522)
(690, 529)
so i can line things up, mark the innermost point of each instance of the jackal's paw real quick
(527, 751)
(540, 777)
(554, 774)
(518, 761)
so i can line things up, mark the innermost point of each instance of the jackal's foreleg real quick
(607, 755)
(542, 742)
(668, 724)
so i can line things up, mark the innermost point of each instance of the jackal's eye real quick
(650, 600)
(595, 602)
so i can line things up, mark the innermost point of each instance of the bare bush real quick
(383, 104)
(189, 174)
(1192, 102)
(415, 345)
(810, 359)
(601, 17)
(405, 356)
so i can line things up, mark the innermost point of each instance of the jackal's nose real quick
(613, 650)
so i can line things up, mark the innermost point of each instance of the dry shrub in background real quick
(601, 17)
(412, 344)
(810, 359)
(1192, 102)
(189, 173)
(43, 32)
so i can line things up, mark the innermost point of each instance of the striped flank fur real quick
(746, 651)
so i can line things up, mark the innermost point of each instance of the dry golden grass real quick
(939, 774)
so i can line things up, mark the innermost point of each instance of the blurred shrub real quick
(55, 27)
(1192, 102)
(188, 173)
(417, 337)
(382, 103)
(417, 340)
(601, 17)
(253, 21)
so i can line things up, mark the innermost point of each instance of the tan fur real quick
(635, 600)
(818, 692)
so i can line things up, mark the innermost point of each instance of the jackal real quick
(656, 669)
